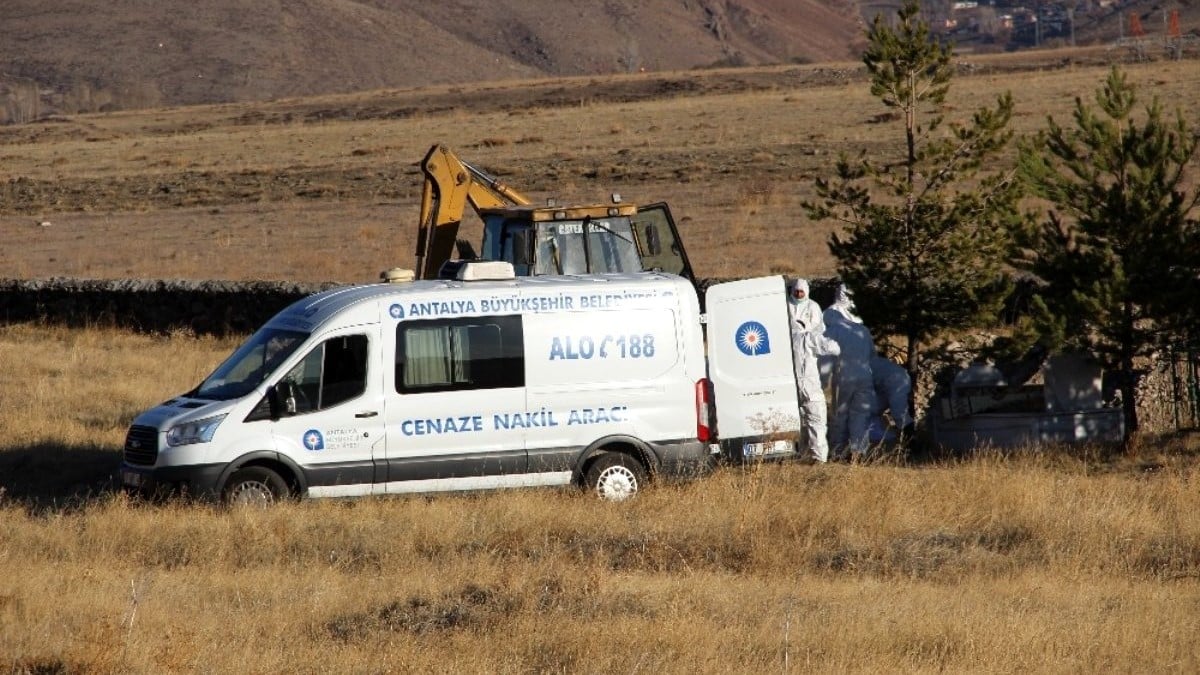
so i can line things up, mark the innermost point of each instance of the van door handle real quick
(366, 413)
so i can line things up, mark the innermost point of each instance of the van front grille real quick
(141, 445)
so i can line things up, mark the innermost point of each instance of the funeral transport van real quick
(485, 380)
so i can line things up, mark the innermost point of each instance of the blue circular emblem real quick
(751, 339)
(396, 311)
(313, 440)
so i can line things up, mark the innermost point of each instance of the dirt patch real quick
(471, 608)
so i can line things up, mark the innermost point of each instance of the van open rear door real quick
(750, 367)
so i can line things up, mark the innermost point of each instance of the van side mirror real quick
(274, 403)
(282, 397)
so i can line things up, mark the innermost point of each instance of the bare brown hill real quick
(69, 56)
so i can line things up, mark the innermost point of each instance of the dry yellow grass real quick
(1044, 562)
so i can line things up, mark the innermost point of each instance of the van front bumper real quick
(197, 480)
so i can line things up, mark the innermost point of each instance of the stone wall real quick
(1168, 391)
(158, 306)
(169, 305)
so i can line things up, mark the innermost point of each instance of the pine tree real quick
(1119, 249)
(925, 233)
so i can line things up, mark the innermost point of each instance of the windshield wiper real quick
(587, 220)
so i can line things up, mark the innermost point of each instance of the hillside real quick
(71, 56)
(67, 56)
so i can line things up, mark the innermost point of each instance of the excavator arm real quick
(450, 184)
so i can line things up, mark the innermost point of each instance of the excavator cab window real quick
(507, 239)
(651, 239)
(515, 248)
(602, 245)
(658, 241)
(612, 247)
(588, 246)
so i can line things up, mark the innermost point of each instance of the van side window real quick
(332, 373)
(454, 354)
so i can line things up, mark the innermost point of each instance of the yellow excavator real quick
(550, 239)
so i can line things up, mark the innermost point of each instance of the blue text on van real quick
(514, 420)
(632, 346)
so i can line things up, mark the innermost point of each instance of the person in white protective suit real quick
(845, 306)
(852, 382)
(892, 385)
(809, 342)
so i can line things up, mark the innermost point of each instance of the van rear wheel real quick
(615, 477)
(255, 486)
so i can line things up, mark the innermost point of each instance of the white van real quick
(484, 381)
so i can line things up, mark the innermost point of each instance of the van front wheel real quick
(255, 486)
(615, 476)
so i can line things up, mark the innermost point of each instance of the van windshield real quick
(247, 367)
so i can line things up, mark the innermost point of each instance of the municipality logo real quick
(396, 311)
(751, 339)
(313, 440)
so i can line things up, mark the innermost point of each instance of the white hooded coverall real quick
(852, 381)
(809, 342)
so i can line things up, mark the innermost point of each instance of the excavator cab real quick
(584, 240)
(549, 240)
(539, 240)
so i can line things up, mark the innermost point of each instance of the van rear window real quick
(463, 353)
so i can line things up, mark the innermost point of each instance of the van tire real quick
(255, 486)
(615, 477)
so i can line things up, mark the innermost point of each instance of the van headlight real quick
(200, 431)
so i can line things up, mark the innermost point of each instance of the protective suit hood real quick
(843, 303)
(801, 284)
(841, 297)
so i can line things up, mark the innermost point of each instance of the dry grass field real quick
(326, 189)
(1051, 560)
(1044, 561)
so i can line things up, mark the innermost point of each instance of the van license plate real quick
(132, 478)
(767, 448)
